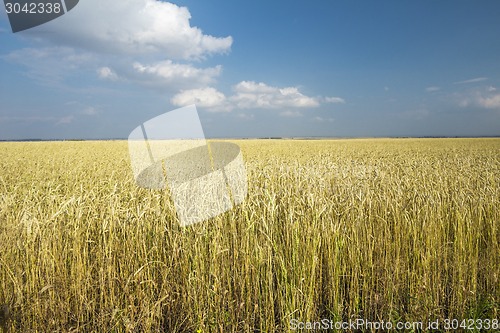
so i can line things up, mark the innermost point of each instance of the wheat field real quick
(381, 229)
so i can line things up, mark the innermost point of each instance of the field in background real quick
(381, 229)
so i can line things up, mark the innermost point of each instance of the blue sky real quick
(256, 68)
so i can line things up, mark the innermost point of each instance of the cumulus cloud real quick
(490, 102)
(148, 42)
(204, 97)
(51, 65)
(107, 73)
(486, 98)
(253, 87)
(249, 94)
(164, 75)
(174, 74)
(125, 41)
(132, 27)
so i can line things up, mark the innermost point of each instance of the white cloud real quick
(131, 27)
(490, 102)
(491, 89)
(291, 114)
(432, 89)
(205, 97)
(51, 65)
(174, 74)
(253, 87)
(335, 100)
(249, 94)
(124, 40)
(90, 111)
(486, 99)
(107, 74)
(323, 120)
(474, 80)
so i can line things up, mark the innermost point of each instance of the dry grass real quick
(378, 229)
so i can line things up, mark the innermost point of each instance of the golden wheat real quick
(392, 229)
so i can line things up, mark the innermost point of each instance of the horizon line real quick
(271, 138)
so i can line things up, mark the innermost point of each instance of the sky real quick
(256, 68)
